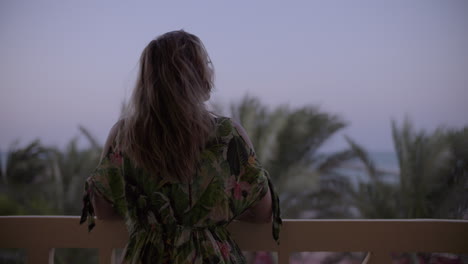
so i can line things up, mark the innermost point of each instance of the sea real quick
(386, 163)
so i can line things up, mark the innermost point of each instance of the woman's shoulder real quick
(227, 126)
(219, 118)
(226, 121)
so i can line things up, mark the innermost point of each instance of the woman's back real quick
(174, 222)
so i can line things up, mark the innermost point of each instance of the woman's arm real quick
(261, 212)
(102, 208)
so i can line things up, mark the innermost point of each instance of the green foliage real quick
(431, 183)
(432, 180)
(25, 187)
(374, 198)
(423, 161)
(450, 193)
(9, 206)
(288, 143)
(2, 180)
(72, 167)
(45, 180)
(28, 164)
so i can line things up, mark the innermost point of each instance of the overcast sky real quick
(65, 64)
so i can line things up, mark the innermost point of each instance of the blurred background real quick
(357, 108)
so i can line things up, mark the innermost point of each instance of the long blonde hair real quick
(166, 124)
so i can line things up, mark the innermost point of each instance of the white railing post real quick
(39, 255)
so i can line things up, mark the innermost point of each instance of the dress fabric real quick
(173, 222)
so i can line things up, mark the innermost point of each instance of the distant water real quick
(385, 162)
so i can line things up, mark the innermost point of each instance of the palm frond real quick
(287, 142)
(333, 161)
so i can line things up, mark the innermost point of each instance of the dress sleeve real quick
(107, 181)
(249, 181)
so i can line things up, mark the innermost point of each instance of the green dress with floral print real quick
(173, 222)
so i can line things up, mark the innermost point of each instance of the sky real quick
(70, 63)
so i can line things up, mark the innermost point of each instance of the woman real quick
(176, 173)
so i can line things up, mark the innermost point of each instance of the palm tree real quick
(373, 197)
(288, 142)
(424, 162)
(71, 168)
(450, 197)
(1, 167)
(432, 178)
(26, 181)
(47, 180)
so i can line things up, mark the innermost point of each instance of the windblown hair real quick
(166, 124)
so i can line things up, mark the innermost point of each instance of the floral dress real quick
(173, 222)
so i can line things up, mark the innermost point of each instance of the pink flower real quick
(237, 187)
(263, 258)
(225, 249)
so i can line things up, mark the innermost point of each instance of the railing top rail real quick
(404, 235)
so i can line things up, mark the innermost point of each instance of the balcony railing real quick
(39, 235)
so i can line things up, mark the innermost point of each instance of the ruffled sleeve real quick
(108, 182)
(249, 181)
(277, 221)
